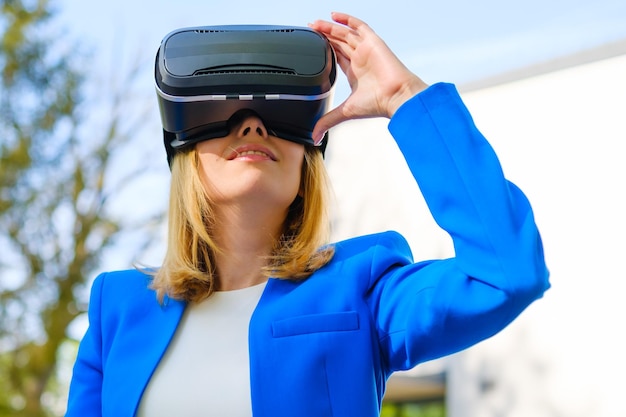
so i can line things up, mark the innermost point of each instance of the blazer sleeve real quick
(430, 309)
(85, 394)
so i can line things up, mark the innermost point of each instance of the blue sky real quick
(445, 40)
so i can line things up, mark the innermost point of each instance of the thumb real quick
(328, 121)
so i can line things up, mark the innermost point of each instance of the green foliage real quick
(427, 409)
(54, 190)
(39, 94)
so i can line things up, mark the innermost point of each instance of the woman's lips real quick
(251, 153)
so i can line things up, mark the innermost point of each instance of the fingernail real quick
(317, 140)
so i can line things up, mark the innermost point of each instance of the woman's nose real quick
(252, 125)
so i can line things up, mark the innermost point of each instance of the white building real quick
(560, 132)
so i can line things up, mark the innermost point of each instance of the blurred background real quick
(84, 181)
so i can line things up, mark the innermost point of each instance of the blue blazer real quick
(326, 346)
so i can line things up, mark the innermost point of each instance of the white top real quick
(206, 369)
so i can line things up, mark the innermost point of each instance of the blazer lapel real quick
(143, 347)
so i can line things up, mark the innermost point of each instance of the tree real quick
(55, 189)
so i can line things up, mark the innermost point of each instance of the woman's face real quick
(249, 165)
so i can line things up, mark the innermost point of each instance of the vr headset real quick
(206, 75)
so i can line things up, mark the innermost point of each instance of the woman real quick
(252, 315)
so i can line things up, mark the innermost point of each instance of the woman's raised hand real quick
(380, 83)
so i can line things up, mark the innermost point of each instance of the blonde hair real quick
(188, 271)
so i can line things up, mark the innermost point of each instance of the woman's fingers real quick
(328, 121)
(346, 29)
(348, 20)
(378, 80)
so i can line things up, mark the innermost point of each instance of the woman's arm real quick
(430, 309)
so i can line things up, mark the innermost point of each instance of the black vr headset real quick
(206, 75)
